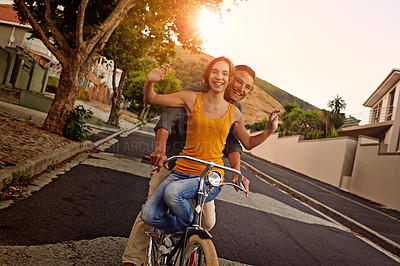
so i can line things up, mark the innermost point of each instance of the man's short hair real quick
(247, 69)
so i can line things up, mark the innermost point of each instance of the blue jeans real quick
(173, 193)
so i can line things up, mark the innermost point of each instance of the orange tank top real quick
(205, 139)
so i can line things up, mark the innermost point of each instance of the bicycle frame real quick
(195, 227)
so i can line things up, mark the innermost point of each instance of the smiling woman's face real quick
(219, 76)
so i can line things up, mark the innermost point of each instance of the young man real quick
(170, 140)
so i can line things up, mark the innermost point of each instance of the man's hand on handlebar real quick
(245, 182)
(157, 158)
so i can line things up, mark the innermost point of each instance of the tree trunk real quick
(64, 99)
(75, 61)
(116, 99)
(147, 112)
(143, 111)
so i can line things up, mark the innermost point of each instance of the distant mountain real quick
(261, 100)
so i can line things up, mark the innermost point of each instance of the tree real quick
(130, 43)
(336, 117)
(298, 122)
(337, 104)
(75, 31)
(134, 89)
(189, 72)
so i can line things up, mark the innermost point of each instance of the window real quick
(390, 105)
(376, 113)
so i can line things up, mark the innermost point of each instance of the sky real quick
(313, 49)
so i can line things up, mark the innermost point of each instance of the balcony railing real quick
(370, 117)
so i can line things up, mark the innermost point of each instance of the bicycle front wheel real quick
(199, 252)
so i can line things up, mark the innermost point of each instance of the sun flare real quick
(207, 23)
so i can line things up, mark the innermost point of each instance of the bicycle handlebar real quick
(207, 163)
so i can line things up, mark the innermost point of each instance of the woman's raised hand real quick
(157, 74)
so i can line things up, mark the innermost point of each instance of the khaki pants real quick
(135, 250)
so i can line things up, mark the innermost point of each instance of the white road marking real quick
(121, 164)
(270, 205)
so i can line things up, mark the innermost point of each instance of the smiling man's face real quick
(241, 87)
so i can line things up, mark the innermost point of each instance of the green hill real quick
(190, 67)
(283, 96)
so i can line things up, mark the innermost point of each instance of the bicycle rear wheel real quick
(199, 252)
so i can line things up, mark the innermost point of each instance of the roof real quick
(9, 15)
(386, 85)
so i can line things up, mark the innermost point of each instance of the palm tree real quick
(336, 117)
(337, 104)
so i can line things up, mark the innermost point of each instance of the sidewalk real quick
(368, 219)
(26, 150)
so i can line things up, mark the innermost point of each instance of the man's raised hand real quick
(273, 120)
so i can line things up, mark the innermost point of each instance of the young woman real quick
(210, 118)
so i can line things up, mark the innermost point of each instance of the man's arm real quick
(234, 161)
(158, 156)
(169, 119)
(233, 150)
(232, 143)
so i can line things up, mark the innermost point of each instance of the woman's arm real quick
(249, 142)
(184, 99)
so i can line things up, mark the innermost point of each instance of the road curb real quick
(116, 134)
(353, 225)
(37, 164)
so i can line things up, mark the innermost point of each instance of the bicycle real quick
(195, 241)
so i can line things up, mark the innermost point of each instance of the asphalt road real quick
(84, 216)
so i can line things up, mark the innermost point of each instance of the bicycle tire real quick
(196, 246)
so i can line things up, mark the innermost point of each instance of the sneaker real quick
(166, 245)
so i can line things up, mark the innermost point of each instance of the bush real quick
(83, 94)
(258, 126)
(76, 129)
